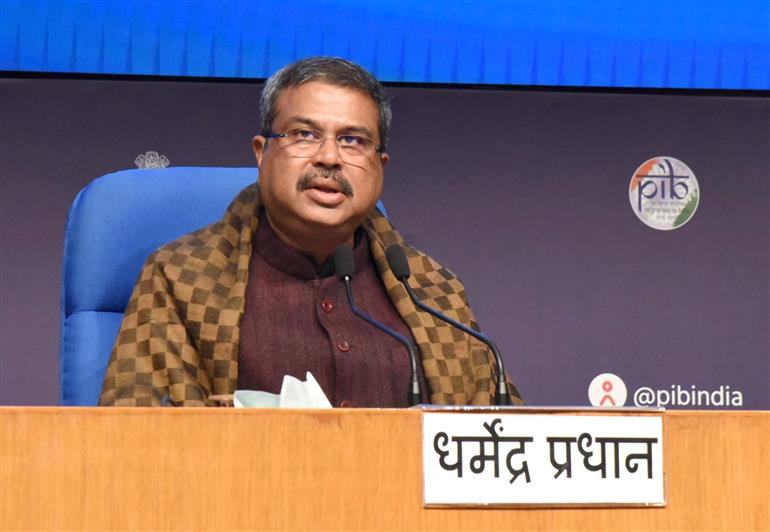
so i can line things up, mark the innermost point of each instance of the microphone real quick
(344, 267)
(400, 267)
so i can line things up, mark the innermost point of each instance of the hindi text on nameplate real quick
(499, 458)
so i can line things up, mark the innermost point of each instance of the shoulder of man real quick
(435, 284)
(213, 248)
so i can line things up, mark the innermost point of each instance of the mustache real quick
(325, 173)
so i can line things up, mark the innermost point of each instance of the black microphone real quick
(400, 267)
(344, 267)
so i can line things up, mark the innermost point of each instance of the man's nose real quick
(328, 153)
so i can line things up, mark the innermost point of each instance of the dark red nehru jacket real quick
(296, 319)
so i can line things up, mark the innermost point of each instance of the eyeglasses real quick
(354, 149)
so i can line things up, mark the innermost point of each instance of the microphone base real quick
(502, 399)
(414, 399)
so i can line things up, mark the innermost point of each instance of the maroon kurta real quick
(296, 319)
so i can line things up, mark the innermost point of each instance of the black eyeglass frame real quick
(378, 148)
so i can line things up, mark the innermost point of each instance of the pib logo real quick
(664, 193)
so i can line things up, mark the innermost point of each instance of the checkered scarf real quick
(178, 341)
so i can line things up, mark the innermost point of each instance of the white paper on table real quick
(294, 394)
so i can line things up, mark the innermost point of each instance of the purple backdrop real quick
(523, 194)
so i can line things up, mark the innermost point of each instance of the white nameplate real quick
(499, 458)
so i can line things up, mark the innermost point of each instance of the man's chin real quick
(323, 217)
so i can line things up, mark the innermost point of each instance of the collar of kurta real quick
(268, 245)
(178, 342)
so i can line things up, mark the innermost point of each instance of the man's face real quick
(323, 190)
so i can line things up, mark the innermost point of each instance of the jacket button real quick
(327, 305)
(343, 346)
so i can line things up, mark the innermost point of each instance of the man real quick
(245, 301)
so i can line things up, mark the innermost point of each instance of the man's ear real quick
(259, 144)
(384, 158)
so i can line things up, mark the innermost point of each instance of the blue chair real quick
(113, 225)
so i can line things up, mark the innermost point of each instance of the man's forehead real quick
(321, 93)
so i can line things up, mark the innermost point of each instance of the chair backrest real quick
(114, 223)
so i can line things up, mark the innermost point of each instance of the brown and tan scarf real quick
(178, 341)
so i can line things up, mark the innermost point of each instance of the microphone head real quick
(397, 262)
(344, 263)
